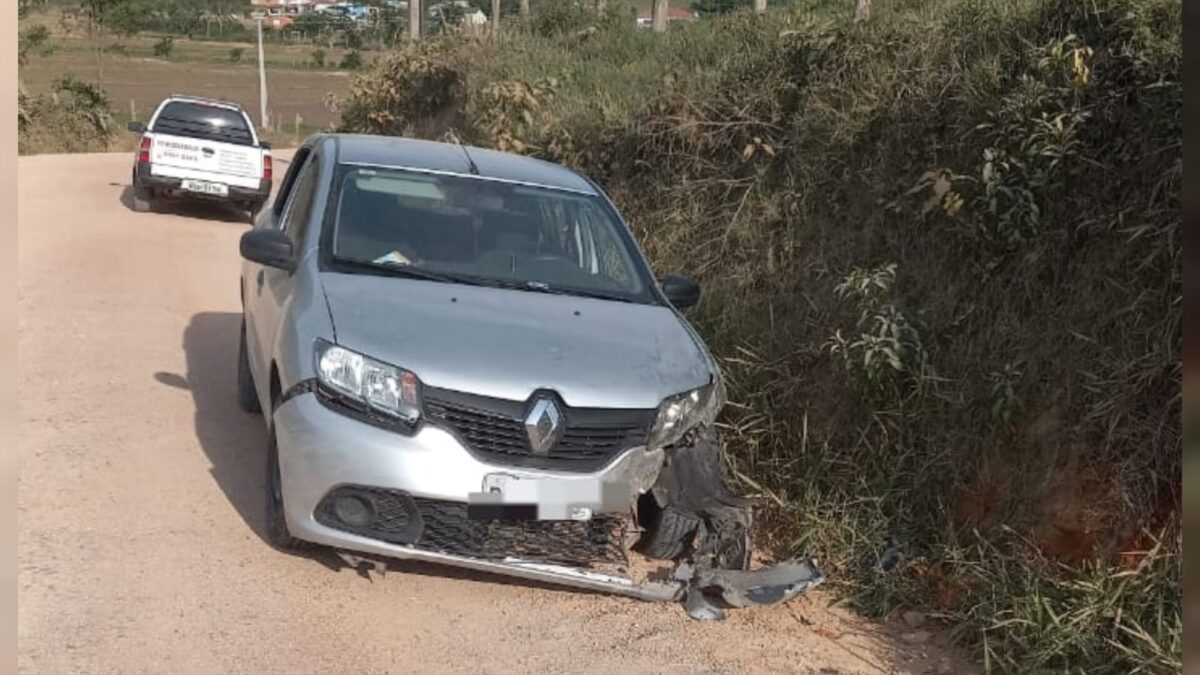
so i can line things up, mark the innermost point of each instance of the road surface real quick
(140, 496)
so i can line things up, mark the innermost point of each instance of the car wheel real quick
(668, 534)
(247, 394)
(277, 533)
(143, 200)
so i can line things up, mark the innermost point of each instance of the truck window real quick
(203, 122)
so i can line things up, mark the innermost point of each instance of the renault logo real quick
(543, 425)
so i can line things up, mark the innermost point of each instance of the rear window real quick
(203, 122)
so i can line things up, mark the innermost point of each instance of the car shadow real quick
(235, 443)
(189, 208)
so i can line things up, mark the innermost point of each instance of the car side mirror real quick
(268, 247)
(681, 291)
(264, 145)
(137, 127)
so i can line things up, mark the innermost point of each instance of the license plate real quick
(507, 497)
(205, 187)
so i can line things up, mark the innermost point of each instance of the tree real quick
(496, 17)
(98, 14)
(524, 8)
(659, 16)
(414, 19)
(760, 5)
(33, 40)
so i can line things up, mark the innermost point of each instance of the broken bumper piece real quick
(562, 575)
(704, 590)
(708, 589)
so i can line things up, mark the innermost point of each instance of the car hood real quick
(510, 343)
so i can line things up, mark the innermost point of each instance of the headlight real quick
(679, 413)
(379, 386)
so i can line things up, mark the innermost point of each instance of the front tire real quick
(277, 533)
(669, 534)
(247, 394)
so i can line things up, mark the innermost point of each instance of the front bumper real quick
(168, 185)
(321, 450)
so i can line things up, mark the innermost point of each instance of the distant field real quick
(194, 69)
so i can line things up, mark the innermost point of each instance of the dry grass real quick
(941, 259)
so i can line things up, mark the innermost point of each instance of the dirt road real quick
(140, 496)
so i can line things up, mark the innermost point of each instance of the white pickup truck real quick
(201, 148)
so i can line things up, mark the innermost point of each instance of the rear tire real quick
(277, 533)
(143, 200)
(668, 534)
(253, 210)
(247, 394)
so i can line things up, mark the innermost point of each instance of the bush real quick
(941, 255)
(164, 47)
(352, 60)
(318, 58)
(235, 54)
(73, 117)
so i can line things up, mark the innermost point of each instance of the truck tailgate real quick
(227, 162)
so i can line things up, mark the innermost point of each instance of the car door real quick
(267, 289)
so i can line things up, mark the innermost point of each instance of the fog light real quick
(353, 510)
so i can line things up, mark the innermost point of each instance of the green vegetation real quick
(74, 117)
(941, 254)
(164, 47)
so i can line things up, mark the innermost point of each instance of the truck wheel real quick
(143, 200)
(668, 534)
(253, 210)
(247, 394)
(277, 533)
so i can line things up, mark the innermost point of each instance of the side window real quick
(299, 206)
(289, 182)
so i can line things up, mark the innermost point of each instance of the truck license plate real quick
(205, 187)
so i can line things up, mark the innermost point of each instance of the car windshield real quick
(471, 230)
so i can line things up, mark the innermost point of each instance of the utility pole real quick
(495, 17)
(760, 6)
(862, 10)
(658, 19)
(524, 9)
(414, 19)
(262, 80)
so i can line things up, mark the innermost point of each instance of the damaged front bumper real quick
(421, 490)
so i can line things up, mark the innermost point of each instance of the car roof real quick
(411, 153)
(187, 98)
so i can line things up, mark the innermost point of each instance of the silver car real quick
(462, 356)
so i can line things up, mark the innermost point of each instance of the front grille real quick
(443, 527)
(494, 430)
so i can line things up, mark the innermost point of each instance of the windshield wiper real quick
(406, 271)
(543, 287)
